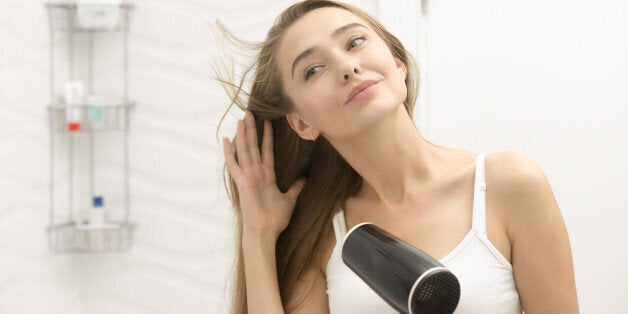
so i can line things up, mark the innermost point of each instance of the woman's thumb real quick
(295, 189)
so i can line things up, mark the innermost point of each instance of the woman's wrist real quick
(258, 233)
(258, 239)
(256, 247)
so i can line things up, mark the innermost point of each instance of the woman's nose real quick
(348, 69)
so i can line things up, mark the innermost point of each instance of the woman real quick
(328, 141)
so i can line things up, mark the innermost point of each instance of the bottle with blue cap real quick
(97, 214)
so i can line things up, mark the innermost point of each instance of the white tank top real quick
(486, 279)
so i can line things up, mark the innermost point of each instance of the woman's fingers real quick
(268, 158)
(251, 137)
(244, 158)
(296, 188)
(248, 166)
(230, 161)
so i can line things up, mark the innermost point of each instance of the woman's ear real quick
(304, 129)
(401, 67)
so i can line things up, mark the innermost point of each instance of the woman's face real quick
(339, 74)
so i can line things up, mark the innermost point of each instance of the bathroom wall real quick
(541, 78)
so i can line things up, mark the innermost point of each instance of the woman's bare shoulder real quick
(540, 243)
(513, 172)
(519, 186)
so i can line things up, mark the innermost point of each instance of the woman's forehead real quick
(321, 22)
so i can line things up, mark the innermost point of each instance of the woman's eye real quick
(310, 71)
(356, 42)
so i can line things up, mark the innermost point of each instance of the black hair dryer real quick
(408, 279)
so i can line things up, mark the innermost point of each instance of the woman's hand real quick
(265, 210)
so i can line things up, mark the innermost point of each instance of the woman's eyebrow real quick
(345, 28)
(302, 55)
(310, 50)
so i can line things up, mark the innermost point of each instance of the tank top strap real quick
(479, 196)
(340, 228)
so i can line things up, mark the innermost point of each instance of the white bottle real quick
(98, 232)
(73, 100)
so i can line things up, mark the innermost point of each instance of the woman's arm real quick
(541, 252)
(266, 212)
(260, 271)
(262, 288)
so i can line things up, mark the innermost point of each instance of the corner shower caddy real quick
(89, 142)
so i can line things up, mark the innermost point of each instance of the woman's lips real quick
(362, 91)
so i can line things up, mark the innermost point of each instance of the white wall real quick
(542, 78)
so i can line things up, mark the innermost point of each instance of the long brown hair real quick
(330, 179)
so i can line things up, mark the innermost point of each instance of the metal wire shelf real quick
(84, 117)
(70, 237)
(85, 165)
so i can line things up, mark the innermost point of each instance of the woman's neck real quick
(392, 158)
